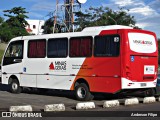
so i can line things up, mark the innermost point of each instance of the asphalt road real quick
(38, 101)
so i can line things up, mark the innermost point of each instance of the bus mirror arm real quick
(17, 60)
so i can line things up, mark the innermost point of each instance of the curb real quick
(131, 101)
(111, 103)
(26, 108)
(149, 100)
(54, 107)
(85, 106)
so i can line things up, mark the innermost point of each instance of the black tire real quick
(82, 92)
(42, 90)
(149, 92)
(15, 87)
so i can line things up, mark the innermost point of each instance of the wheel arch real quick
(79, 81)
(13, 77)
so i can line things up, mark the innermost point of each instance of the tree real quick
(15, 24)
(5, 32)
(1, 20)
(48, 26)
(102, 16)
(83, 20)
(16, 17)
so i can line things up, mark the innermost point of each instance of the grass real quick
(2, 48)
(1, 54)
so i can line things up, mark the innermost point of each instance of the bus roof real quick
(109, 27)
(89, 31)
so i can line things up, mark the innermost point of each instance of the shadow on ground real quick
(59, 93)
(70, 94)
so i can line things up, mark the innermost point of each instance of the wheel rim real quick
(81, 92)
(14, 86)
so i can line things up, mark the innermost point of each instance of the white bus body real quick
(25, 64)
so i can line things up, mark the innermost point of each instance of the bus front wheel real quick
(15, 87)
(82, 92)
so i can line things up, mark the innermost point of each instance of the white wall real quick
(38, 26)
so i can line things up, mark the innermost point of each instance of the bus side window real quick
(81, 47)
(37, 48)
(107, 46)
(14, 51)
(57, 47)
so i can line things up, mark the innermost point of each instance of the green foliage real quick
(1, 20)
(48, 26)
(102, 16)
(16, 17)
(5, 32)
(15, 24)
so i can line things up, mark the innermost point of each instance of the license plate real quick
(143, 84)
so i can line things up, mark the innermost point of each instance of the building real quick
(35, 27)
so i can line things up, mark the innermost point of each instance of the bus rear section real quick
(141, 62)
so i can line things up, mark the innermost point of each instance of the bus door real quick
(35, 62)
(12, 61)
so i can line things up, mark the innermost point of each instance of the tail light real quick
(128, 73)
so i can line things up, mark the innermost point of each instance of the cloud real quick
(143, 25)
(146, 11)
(155, 4)
(124, 3)
(1, 11)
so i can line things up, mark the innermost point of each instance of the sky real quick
(146, 12)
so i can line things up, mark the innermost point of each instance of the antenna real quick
(64, 15)
(82, 1)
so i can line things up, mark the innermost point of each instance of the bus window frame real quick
(116, 35)
(65, 38)
(90, 48)
(14, 60)
(36, 48)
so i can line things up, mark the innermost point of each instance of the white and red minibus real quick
(107, 59)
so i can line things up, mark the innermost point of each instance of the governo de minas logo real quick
(142, 42)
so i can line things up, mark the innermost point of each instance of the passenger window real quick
(57, 47)
(107, 46)
(81, 47)
(37, 49)
(14, 51)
